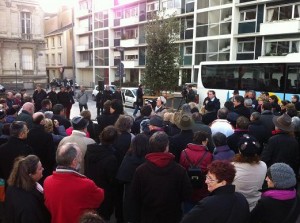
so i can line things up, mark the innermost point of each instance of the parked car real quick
(129, 96)
(2, 88)
(113, 88)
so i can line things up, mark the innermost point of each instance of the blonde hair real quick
(168, 116)
(48, 126)
(86, 114)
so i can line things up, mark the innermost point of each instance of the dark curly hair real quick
(223, 170)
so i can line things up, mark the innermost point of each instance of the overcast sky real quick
(53, 5)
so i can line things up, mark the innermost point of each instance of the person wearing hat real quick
(179, 141)
(78, 136)
(154, 124)
(160, 108)
(279, 203)
(283, 146)
(250, 171)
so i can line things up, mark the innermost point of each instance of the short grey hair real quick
(66, 153)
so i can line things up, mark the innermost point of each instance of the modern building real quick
(22, 58)
(211, 30)
(59, 47)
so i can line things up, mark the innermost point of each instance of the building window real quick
(131, 12)
(101, 19)
(130, 34)
(131, 57)
(53, 42)
(246, 46)
(26, 25)
(53, 59)
(59, 41)
(59, 59)
(101, 58)
(297, 11)
(27, 59)
(101, 38)
(189, 23)
(47, 59)
(46, 43)
(188, 49)
(117, 34)
(280, 13)
(248, 15)
(151, 7)
(118, 14)
(281, 48)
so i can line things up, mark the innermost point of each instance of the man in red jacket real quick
(68, 193)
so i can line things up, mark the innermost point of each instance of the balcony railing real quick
(26, 36)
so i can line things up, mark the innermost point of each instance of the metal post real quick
(16, 77)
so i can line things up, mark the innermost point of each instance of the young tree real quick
(162, 54)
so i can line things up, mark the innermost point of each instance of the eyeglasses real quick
(209, 179)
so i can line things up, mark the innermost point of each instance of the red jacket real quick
(195, 152)
(68, 194)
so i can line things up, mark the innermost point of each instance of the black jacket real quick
(282, 148)
(271, 210)
(224, 205)
(25, 206)
(43, 146)
(178, 142)
(9, 151)
(159, 192)
(100, 165)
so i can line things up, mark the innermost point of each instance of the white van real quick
(129, 96)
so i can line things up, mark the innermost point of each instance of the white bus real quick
(279, 76)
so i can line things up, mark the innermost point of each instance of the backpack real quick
(195, 173)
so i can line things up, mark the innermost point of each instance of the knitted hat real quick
(79, 123)
(284, 122)
(185, 122)
(282, 175)
(156, 121)
(248, 145)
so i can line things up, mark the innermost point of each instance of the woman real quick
(60, 129)
(100, 165)
(250, 171)
(134, 157)
(24, 201)
(224, 205)
(197, 155)
(279, 203)
(91, 127)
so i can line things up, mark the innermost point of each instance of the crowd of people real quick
(237, 162)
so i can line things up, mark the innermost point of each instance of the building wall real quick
(22, 58)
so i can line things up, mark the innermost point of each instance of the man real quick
(159, 185)
(221, 124)
(211, 99)
(52, 95)
(179, 141)
(282, 147)
(139, 99)
(63, 97)
(46, 105)
(10, 101)
(118, 95)
(42, 144)
(239, 107)
(79, 136)
(82, 98)
(266, 118)
(26, 114)
(191, 96)
(38, 96)
(59, 115)
(16, 146)
(68, 194)
(160, 108)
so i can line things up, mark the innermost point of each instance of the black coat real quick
(106, 120)
(209, 117)
(266, 119)
(125, 175)
(100, 165)
(63, 98)
(121, 145)
(43, 146)
(179, 142)
(159, 192)
(270, 210)
(25, 206)
(233, 139)
(62, 120)
(139, 97)
(222, 206)
(241, 110)
(38, 97)
(282, 148)
(259, 131)
(9, 151)
(52, 96)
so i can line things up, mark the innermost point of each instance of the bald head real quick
(38, 118)
(67, 154)
(29, 107)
